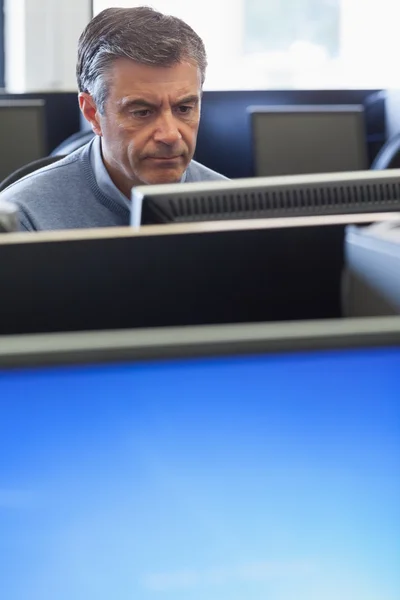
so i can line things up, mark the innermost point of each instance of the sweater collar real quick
(102, 177)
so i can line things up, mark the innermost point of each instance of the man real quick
(140, 76)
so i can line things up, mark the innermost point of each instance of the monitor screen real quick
(290, 140)
(22, 134)
(259, 475)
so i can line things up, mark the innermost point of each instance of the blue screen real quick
(257, 478)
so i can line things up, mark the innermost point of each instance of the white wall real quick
(41, 39)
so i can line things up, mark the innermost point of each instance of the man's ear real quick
(89, 110)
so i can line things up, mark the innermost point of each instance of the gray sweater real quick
(67, 194)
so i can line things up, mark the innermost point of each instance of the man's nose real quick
(167, 131)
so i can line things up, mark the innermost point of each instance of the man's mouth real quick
(164, 157)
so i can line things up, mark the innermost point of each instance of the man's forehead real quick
(127, 76)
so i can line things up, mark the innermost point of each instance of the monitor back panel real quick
(308, 139)
(209, 277)
(22, 134)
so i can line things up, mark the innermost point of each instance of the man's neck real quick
(124, 184)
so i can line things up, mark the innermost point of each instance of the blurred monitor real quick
(175, 275)
(224, 139)
(221, 463)
(289, 140)
(267, 197)
(372, 283)
(22, 134)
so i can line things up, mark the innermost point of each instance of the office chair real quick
(29, 168)
(72, 143)
(389, 155)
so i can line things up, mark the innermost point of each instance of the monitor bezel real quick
(107, 347)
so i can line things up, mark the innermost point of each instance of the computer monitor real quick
(191, 274)
(290, 140)
(221, 463)
(224, 138)
(266, 197)
(372, 256)
(22, 134)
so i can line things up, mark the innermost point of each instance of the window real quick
(291, 44)
(275, 26)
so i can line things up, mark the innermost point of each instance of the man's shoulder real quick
(45, 191)
(45, 180)
(198, 172)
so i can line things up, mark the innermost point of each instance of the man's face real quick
(150, 122)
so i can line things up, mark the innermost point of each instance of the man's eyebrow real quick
(192, 99)
(136, 102)
(127, 103)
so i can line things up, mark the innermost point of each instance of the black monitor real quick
(291, 140)
(204, 273)
(372, 279)
(266, 197)
(225, 462)
(22, 134)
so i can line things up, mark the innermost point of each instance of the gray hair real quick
(141, 34)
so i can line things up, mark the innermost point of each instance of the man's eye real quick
(184, 110)
(144, 112)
